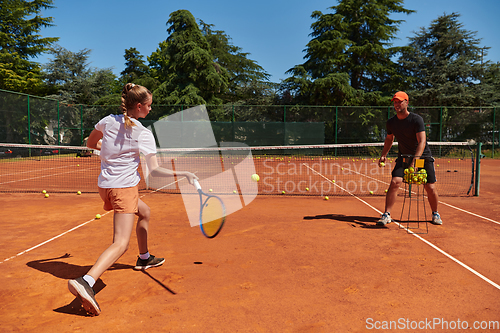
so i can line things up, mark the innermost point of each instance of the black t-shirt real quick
(405, 131)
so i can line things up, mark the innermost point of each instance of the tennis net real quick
(334, 169)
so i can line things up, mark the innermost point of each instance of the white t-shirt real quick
(120, 151)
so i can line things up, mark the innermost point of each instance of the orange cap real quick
(400, 95)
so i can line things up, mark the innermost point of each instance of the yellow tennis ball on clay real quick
(234, 191)
(97, 216)
(78, 192)
(307, 188)
(382, 164)
(255, 177)
(46, 195)
(44, 191)
(282, 192)
(371, 192)
(210, 190)
(326, 198)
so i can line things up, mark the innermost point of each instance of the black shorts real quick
(403, 163)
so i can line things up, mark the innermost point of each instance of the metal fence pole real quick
(29, 122)
(493, 135)
(58, 125)
(284, 125)
(81, 124)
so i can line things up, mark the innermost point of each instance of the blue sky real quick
(274, 32)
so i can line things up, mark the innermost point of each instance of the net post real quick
(479, 155)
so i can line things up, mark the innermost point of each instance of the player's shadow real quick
(67, 271)
(355, 221)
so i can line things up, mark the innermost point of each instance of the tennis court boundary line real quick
(52, 239)
(470, 269)
(75, 228)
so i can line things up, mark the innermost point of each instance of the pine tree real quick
(443, 64)
(192, 77)
(248, 82)
(134, 66)
(349, 54)
(20, 42)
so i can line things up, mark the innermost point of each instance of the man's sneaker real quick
(384, 219)
(436, 219)
(148, 263)
(84, 292)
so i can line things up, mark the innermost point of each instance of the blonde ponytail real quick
(131, 95)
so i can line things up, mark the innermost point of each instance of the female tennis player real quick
(121, 139)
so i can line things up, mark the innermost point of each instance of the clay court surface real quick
(281, 264)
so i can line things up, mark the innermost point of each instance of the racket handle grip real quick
(196, 185)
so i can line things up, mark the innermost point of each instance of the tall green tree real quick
(72, 81)
(134, 66)
(248, 82)
(192, 77)
(491, 84)
(349, 54)
(20, 42)
(158, 62)
(137, 71)
(443, 64)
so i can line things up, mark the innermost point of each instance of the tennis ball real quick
(78, 192)
(326, 198)
(46, 195)
(44, 191)
(333, 181)
(382, 164)
(371, 192)
(97, 216)
(234, 191)
(78, 165)
(255, 177)
(282, 192)
(210, 190)
(385, 190)
(307, 188)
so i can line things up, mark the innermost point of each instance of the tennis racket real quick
(212, 212)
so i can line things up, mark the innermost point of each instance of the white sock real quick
(90, 280)
(144, 256)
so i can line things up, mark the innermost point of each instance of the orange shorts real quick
(121, 200)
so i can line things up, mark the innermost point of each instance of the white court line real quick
(441, 202)
(73, 229)
(466, 211)
(31, 171)
(422, 239)
(50, 240)
(38, 177)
